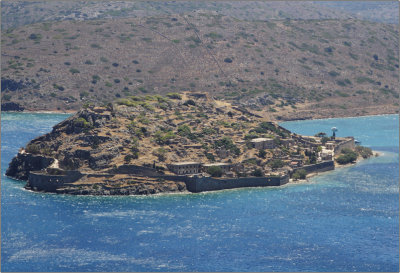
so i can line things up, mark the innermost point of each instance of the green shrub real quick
(257, 173)
(96, 46)
(81, 122)
(215, 171)
(59, 87)
(160, 153)
(262, 153)
(184, 130)
(189, 102)
(162, 138)
(365, 152)
(83, 94)
(276, 164)
(228, 60)
(209, 156)
(74, 71)
(333, 73)
(347, 156)
(35, 37)
(227, 143)
(174, 96)
(347, 43)
(299, 174)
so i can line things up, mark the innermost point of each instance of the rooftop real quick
(216, 164)
(186, 163)
(261, 139)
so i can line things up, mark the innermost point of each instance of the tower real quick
(334, 130)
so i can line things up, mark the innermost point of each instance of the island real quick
(181, 142)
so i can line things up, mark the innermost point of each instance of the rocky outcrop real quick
(12, 85)
(11, 106)
(137, 189)
(24, 163)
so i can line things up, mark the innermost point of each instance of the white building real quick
(185, 167)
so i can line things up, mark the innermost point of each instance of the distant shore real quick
(275, 120)
(43, 112)
(373, 115)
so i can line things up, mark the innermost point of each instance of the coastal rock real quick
(136, 189)
(11, 106)
(23, 163)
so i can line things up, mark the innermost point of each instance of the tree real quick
(320, 134)
(257, 173)
(277, 141)
(215, 171)
(347, 156)
(228, 60)
(184, 130)
(189, 102)
(313, 158)
(262, 153)
(324, 140)
(299, 174)
(174, 96)
(276, 164)
(160, 153)
(365, 152)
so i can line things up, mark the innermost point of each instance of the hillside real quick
(141, 130)
(19, 13)
(379, 11)
(287, 68)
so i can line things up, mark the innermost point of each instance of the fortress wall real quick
(318, 167)
(200, 184)
(49, 183)
(134, 169)
(345, 144)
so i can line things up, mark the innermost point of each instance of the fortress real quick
(182, 142)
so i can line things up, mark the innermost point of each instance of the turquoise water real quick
(345, 220)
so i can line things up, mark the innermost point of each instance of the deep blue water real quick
(344, 220)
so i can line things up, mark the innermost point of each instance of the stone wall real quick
(319, 167)
(200, 184)
(345, 144)
(40, 181)
(134, 169)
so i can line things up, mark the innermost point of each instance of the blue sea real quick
(343, 220)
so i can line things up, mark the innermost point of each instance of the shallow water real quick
(343, 220)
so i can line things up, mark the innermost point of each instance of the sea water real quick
(343, 220)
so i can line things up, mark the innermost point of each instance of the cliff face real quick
(24, 163)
